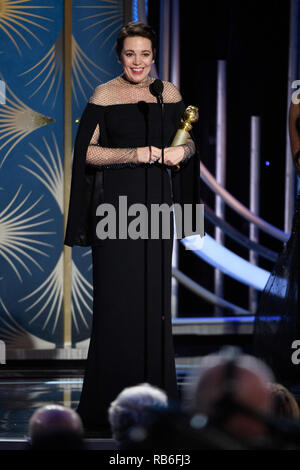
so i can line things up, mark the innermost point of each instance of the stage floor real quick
(21, 395)
(20, 398)
(28, 385)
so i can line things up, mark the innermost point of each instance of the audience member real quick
(132, 411)
(55, 427)
(230, 401)
(226, 388)
(284, 403)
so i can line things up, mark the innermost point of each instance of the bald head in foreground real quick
(226, 387)
(56, 427)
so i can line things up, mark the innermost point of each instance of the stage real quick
(27, 383)
(20, 397)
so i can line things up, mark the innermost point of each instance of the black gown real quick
(276, 338)
(131, 338)
(277, 320)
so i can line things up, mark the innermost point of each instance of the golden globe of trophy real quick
(190, 115)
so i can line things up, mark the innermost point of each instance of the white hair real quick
(130, 406)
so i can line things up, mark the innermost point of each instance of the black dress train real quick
(127, 328)
(277, 322)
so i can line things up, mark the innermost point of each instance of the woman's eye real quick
(129, 54)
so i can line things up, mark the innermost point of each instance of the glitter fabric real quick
(121, 91)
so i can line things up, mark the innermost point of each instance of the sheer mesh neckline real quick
(119, 90)
(144, 84)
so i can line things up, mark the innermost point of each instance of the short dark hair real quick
(136, 28)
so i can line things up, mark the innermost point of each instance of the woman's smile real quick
(136, 57)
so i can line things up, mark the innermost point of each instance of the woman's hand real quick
(148, 154)
(173, 155)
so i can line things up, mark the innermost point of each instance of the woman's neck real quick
(144, 83)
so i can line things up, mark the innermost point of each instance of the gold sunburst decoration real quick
(47, 298)
(46, 75)
(107, 17)
(17, 121)
(82, 298)
(11, 330)
(17, 17)
(81, 70)
(88, 253)
(48, 169)
(19, 224)
(15, 335)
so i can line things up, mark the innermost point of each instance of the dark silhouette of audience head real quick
(230, 389)
(55, 427)
(284, 403)
(132, 410)
(230, 401)
(142, 418)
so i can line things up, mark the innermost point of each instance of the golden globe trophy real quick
(190, 115)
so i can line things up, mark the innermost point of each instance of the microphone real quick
(156, 88)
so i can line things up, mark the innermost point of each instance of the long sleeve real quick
(189, 149)
(97, 155)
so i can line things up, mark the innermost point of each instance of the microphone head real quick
(156, 88)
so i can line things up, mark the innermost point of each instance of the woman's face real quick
(136, 57)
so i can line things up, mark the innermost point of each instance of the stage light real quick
(226, 261)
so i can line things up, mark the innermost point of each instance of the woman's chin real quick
(136, 78)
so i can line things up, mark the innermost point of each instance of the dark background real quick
(253, 37)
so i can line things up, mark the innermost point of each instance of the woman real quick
(277, 322)
(118, 153)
